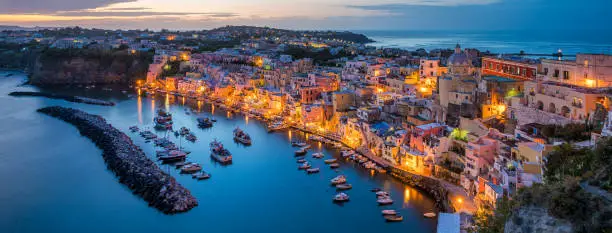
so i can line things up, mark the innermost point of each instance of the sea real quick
(569, 42)
(55, 180)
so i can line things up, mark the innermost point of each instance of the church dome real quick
(459, 58)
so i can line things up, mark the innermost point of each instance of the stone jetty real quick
(75, 99)
(128, 161)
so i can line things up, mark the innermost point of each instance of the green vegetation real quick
(564, 197)
(17, 56)
(319, 57)
(172, 68)
(459, 134)
(573, 132)
(214, 45)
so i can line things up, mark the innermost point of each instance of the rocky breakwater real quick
(75, 99)
(432, 186)
(129, 162)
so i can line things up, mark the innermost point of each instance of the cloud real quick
(49, 6)
(116, 13)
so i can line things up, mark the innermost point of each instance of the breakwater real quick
(128, 161)
(431, 186)
(75, 99)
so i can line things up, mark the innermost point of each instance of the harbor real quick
(260, 177)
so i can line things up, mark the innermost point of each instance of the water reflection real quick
(139, 104)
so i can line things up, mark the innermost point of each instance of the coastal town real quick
(470, 128)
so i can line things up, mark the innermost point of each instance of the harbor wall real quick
(430, 185)
(128, 162)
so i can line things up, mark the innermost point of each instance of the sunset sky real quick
(310, 14)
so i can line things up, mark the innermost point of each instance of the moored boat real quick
(385, 201)
(219, 153)
(330, 161)
(305, 165)
(318, 155)
(312, 170)
(191, 168)
(134, 129)
(341, 179)
(334, 165)
(298, 144)
(191, 137)
(204, 122)
(300, 152)
(201, 175)
(389, 212)
(429, 215)
(341, 197)
(394, 218)
(301, 160)
(242, 137)
(344, 186)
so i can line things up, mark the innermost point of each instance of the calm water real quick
(530, 41)
(54, 180)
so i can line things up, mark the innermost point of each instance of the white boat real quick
(330, 161)
(382, 193)
(305, 165)
(394, 218)
(300, 152)
(301, 161)
(389, 212)
(341, 197)
(318, 155)
(334, 165)
(312, 170)
(385, 201)
(341, 179)
(201, 175)
(191, 168)
(429, 215)
(344, 186)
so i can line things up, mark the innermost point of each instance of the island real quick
(128, 161)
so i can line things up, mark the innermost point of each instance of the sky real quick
(312, 14)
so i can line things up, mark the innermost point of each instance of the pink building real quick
(480, 155)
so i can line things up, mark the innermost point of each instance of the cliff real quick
(536, 219)
(88, 66)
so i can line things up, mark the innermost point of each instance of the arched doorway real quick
(540, 105)
(565, 111)
(552, 108)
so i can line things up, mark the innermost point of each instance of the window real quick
(556, 74)
(545, 71)
(566, 75)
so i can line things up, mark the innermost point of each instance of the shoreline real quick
(128, 162)
(429, 185)
(74, 99)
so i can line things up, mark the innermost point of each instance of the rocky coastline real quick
(75, 99)
(128, 162)
(431, 186)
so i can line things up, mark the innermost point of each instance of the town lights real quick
(501, 108)
(589, 82)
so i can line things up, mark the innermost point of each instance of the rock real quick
(536, 219)
(128, 162)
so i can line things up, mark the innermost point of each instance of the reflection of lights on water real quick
(199, 105)
(246, 119)
(213, 109)
(152, 108)
(290, 136)
(371, 172)
(167, 104)
(406, 195)
(183, 100)
(139, 104)
(228, 114)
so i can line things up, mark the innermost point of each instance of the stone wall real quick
(431, 186)
(526, 115)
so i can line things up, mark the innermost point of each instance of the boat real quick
(385, 201)
(277, 125)
(341, 197)
(346, 153)
(305, 165)
(191, 168)
(330, 161)
(394, 218)
(334, 165)
(181, 164)
(172, 156)
(201, 175)
(341, 179)
(344, 186)
(318, 155)
(163, 120)
(190, 137)
(389, 212)
(205, 122)
(375, 190)
(382, 194)
(242, 137)
(429, 215)
(312, 170)
(298, 144)
(134, 129)
(301, 160)
(184, 131)
(300, 152)
(219, 153)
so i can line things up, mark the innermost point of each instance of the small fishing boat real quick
(301, 160)
(201, 175)
(312, 170)
(330, 161)
(134, 129)
(305, 165)
(300, 152)
(341, 197)
(334, 165)
(204, 122)
(173, 156)
(298, 144)
(219, 153)
(191, 168)
(382, 194)
(394, 218)
(318, 155)
(242, 137)
(429, 215)
(190, 137)
(389, 212)
(344, 186)
(385, 201)
(341, 179)
(375, 190)
(182, 164)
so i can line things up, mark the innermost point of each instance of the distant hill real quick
(19, 28)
